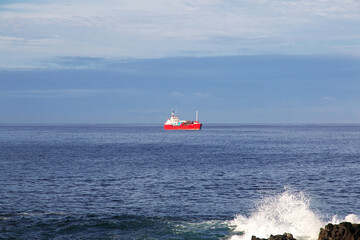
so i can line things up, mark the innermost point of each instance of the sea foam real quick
(287, 212)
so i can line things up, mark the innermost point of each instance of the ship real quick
(174, 123)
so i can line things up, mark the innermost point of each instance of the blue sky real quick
(123, 61)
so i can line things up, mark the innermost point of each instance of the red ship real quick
(173, 123)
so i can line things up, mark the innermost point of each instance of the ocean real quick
(118, 181)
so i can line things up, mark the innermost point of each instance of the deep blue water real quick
(141, 182)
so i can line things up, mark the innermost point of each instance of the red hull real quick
(193, 126)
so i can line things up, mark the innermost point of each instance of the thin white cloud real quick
(47, 92)
(202, 95)
(160, 28)
(178, 94)
(327, 98)
(18, 42)
(73, 92)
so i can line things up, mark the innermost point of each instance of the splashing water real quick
(286, 212)
(349, 218)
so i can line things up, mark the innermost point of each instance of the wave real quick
(121, 227)
(349, 218)
(287, 212)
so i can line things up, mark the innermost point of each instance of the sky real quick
(133, 61)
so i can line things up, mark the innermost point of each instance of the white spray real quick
(349, 218)
(286, 212)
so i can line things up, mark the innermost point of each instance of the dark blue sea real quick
(141, 182)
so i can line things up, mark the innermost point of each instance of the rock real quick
(285, 236)
(342, 231)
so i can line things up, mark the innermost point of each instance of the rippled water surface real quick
(141, 182)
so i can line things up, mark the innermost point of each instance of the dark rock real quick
(342, 231)
(285, 236)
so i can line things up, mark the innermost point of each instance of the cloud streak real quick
(65, 93)
(47, 93)
(153, 29)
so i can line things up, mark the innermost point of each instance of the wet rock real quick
(285, 236)
(342, 231)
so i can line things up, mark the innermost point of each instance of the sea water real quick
(141, 182)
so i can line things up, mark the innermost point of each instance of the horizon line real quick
(161, 124)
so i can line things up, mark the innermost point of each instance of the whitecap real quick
(284, 213)
(349, 218)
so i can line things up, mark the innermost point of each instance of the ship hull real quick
(195, 126)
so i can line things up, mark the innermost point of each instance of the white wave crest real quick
(287, 212)
(349, 218)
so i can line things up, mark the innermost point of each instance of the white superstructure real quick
(174, 120)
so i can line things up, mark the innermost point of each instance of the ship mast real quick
(197, 115)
